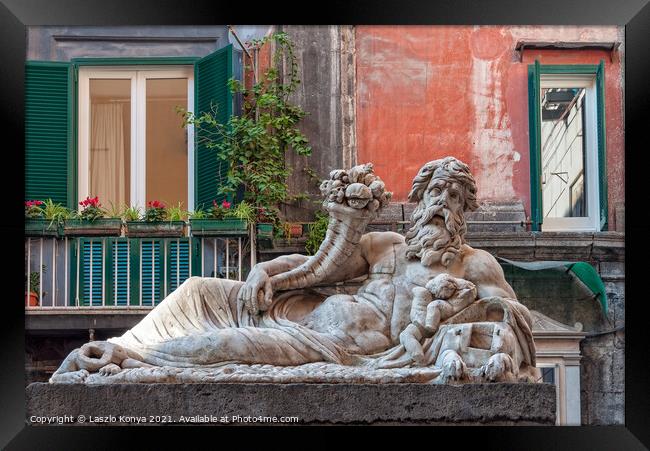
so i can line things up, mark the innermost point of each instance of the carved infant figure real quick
(443, 297)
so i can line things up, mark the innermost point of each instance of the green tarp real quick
(583, 272)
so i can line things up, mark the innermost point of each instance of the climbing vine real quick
(254, 143)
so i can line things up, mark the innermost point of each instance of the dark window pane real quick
(548, 375)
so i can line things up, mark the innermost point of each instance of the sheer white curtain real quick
(107, 165)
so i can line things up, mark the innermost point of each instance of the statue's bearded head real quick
(444, 190)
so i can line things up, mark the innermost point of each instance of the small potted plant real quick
(294, 229)
(36, 223)
(33, 294)
(222, 220)
(131, 214)
(156, 222)
(266, 219)
(92, 221)
(289, 231)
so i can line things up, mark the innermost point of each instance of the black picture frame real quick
(15, 15)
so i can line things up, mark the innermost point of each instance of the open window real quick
(108, 127)
(567, 146)
(132, 146)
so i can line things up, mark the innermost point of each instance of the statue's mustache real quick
(437, 210)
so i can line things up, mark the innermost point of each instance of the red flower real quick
(32, 203)
(88, 201)
(214, 204)
(225, 204)
(155, 204)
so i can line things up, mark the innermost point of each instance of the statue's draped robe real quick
(201, 324)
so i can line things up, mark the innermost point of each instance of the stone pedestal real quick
(240, 404)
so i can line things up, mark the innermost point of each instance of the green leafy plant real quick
(55, 212)
(254, 144)
(35, 280)
(114, 211)
(284, 230)
(177, 213)
(243, 211)
(198, 214)
(34, 209)
(92, 209)
(316, 232)
(131, 213)
(270, 215)
(156, 211)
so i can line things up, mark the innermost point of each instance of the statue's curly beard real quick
(430, 241)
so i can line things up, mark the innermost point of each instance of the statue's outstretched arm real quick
(353, 199)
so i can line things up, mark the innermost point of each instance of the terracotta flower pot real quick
(295, 230)
(33, 299)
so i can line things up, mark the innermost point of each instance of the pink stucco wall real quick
(424, 92)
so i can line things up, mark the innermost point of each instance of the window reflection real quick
(563, 152)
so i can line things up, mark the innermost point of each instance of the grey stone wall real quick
(326, 60)
(60, 43)
(602, 383)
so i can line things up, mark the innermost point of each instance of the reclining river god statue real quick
(431, 308)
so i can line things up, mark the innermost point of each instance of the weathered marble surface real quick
(432, 308)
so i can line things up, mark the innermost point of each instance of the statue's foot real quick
(499, 368)
(109, 370)
(72, 377)
(453, 367)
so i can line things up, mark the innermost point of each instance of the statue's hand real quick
(257, 293)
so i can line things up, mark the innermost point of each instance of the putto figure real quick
(430, 309)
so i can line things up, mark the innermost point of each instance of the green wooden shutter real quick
(534, 133)
(211, 76)
(117, 257)
(91, 273)
(602, 154)
(48, 131)
(151, 271)
(178, 262)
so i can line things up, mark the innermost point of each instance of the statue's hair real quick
(449, 168)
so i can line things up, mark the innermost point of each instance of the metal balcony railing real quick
(78, 272)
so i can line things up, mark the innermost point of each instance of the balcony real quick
(123, 273)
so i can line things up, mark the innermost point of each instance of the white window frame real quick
(591, 222)
(558, 376)
(138, 76)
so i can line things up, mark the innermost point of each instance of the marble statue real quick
(431, 308)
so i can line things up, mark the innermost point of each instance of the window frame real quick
(535, 72)
(560, 388)
(138, 75)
